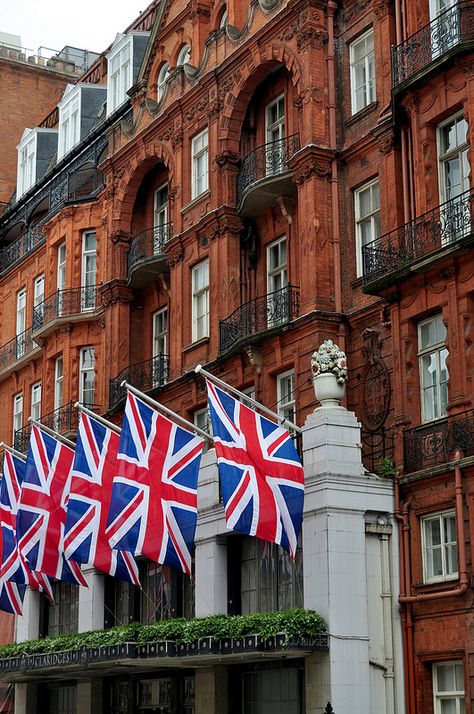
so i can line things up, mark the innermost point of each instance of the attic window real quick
(163, 75)
(26, 175)
(184, 55)
(119, 79)
(69, 121)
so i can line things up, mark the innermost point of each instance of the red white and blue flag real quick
(42, 508)
(11, 597)
(95, 465)
(153, 510)
(13, 567)
(262, 479)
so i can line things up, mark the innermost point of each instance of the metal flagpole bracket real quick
(168, 412)
(51, 432)
(105, 422)
(220, 383)
(13, 451)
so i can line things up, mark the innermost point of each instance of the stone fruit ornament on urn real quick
(329, 368)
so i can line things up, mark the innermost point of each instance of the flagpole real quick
(101, 420)
(281, 420)
(13, 451)
(168, 412)
(51, 432)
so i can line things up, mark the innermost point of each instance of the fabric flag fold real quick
(262, 479)
(13, 567)
(42, 508)
(95, 465)
(153, 509)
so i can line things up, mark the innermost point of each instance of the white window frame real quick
(275, 130)
(368, 61)
(20, 324)
(119, 73)
(161, 209)
(284, 406)
(200, 294)
(160, 335)
(461, 152)
(456, 695)
(200, 150)
(58, 382)
(35, 405)
(278, 274)
(26, 169)
(83, 372)
(373, 216)
(17, 413)
(437, 348)
(163, 76)
(38, 290)
(184, 55)
(441, 518)
(88, 276)
(69, 120)
(201, 419)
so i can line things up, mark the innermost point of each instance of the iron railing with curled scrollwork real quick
(19, 347)
(19, 248)
(84, 183)
(436, 443)
(442, 227)
(265, 313)
(452, 28)
(65, 303)
(377, 447)
(64, 419)
(266, 161)
(148, 243)
(146, 375)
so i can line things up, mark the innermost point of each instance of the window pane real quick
(432, 532)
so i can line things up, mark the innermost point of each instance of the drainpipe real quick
(332, 6)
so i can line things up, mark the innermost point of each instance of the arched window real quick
(163, 75)
(223, 20)
(184, 55)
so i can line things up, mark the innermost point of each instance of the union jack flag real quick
(153, 510)
(11, 597)
(42, 508)
(13, 566)
(261, 474)
(95, 464)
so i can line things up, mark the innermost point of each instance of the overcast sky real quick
(88, 24)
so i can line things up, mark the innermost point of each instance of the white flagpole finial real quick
(198, 368)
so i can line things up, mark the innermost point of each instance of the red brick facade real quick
(309, 194)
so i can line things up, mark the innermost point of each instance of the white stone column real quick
(27, 625)
(91, 601)
(26, 698)
(89, 696)
(339, 496)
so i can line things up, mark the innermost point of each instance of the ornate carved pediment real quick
(307, 29)
(115, 292)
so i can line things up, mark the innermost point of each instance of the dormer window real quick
(26, 162)
(124, 62)
(35, 151)
(69, 120)
(163, 75)
(79, 108)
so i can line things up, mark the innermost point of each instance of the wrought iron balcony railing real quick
(148, 243)
(16, 349)
(18, 249)
(150, 374)
(62, 420)
(377, 448)
(451, 29)
(65, 303)
(269, 312)
(442, 227)
(436, 443)
(266, 161)
(84, 183)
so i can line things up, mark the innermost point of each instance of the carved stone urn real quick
(329, 369)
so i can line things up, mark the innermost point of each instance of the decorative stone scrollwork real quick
(227, 158)
(376, 391)
(322, 169)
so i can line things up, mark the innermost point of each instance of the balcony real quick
(147, 375)
(448, 34)
(146, 257)
(446, 229)
(265, 175)
(64, 420)
(378, 448)
(17, 351)
(16, 251)
(258, 317)
(64, 307)
(84, 184)
(436, 443)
